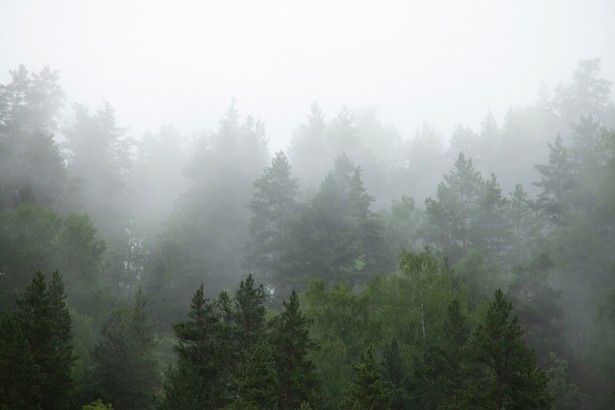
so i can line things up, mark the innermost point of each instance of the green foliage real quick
(367, 390)
(35, 238)
(257, 386)
(503, 366)
(336, 235)
(31, 167)
(98, 405)
(291, 345)
(198, 377)
(125, 371)
(453, 215)
(37, 355)
(557, 182)
(273, 205)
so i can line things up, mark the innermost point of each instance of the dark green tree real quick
(504, 373)
(126, 372)
(248, 320)
(368, 390)
(440, 374)
(291, 345)
(273, 205)
(395, 374)
(38, 348)
(19, 373)
(257, 385)
(199, 369)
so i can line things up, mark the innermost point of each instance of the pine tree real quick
(257, 384)
(504, 373)
(199, 352)
(367, 390)
(248, 319)
(125, 368)
(557, 182)
(291, 345)
(441, 372)
(37, 349)
(273, 205)
(454, 213)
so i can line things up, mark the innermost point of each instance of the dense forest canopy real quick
(240, 256)
(374, 272)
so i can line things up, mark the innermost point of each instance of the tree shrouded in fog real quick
(31, 167)
(273, 208)
(357, 268)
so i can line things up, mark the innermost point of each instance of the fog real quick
(319, 205)
(444, 62)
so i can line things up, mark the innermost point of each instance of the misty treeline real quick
(357, 270)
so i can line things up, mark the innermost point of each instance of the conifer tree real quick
(367, 390)
(125, 369)
(199, 352)
(36, 354)
(273, 205)
(258, 384)
(291, 345)
(504, 373)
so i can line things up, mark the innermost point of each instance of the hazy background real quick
(182, 62)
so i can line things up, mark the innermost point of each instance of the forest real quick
(356, 269)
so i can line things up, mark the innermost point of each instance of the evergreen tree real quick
(453, 215)
(367, 390)
(257, 385)
(557, 182)
(182, 387)
(308, 150)
(524, 225)
(125, 370)
(395, 374)
(199, 353)
(291, 344)
(273, 205)
(538, 307)
(31, 166)
(337, 235)
(248, 320)
(37, 349)
(504, 373)
(19, 373)
(440, 375)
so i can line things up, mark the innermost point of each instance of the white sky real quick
(181, 62)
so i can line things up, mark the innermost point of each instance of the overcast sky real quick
(181, 62)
